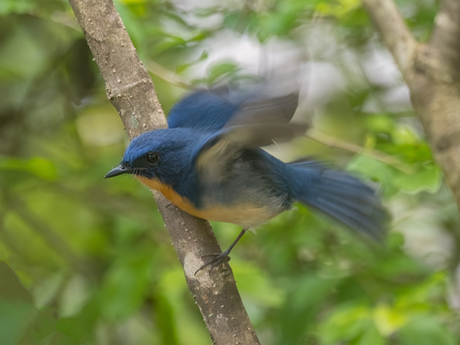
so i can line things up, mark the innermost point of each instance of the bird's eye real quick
(152, 158)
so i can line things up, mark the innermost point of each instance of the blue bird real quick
(209, 163)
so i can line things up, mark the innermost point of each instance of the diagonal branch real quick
(432, 74)
(394, 32)
(130, 90)
(445, 40)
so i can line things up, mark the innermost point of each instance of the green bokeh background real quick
(87, 261)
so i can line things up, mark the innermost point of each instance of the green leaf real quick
(371, 337)
(11, 288)
(56, 338)
(338, 8)
(16, 6)
(125, 285)
(165, 320)
(256, 284)
(345, 322)
(38, 166)
(44, 324)
(168, 43)
(14, 318)
(425, 330)
(379, 123)
(387, 319)
(80, 328)
(375, 170)
(404, 135)
(309, 293)
(219, 70)
(182, 68)
(428, 179)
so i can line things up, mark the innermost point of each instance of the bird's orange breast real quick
(246, 215)
(170, 194)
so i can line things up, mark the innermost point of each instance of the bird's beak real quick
(119, 170)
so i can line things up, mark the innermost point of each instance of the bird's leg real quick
(220, 257)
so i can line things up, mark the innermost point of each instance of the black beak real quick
(119, 170)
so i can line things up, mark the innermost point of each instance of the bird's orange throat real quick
(170, 194)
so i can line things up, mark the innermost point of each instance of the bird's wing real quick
(214, 109)
(266, 110)
(222, 148)
(203, 110)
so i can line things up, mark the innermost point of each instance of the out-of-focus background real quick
(85, 260)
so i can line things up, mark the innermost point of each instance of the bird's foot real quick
(217, 258)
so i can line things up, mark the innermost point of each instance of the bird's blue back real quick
(213, 109)
(204, 110)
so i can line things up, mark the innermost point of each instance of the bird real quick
(209, 163)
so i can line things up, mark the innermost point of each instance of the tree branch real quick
(432, 74)
(397, 37)
(445, 40)
(130, 90)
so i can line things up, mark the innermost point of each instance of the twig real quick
(130, 90)
(166, 74)
(375, 154)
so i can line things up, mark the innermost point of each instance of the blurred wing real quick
(268, 110)
(212, 110)
(216, 154)
(203, 110)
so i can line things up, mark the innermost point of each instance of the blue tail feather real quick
(340, 196)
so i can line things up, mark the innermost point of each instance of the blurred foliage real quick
(88, 261)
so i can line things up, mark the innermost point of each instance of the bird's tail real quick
(340, 196)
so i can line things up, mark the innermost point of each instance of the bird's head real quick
(157, 155)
